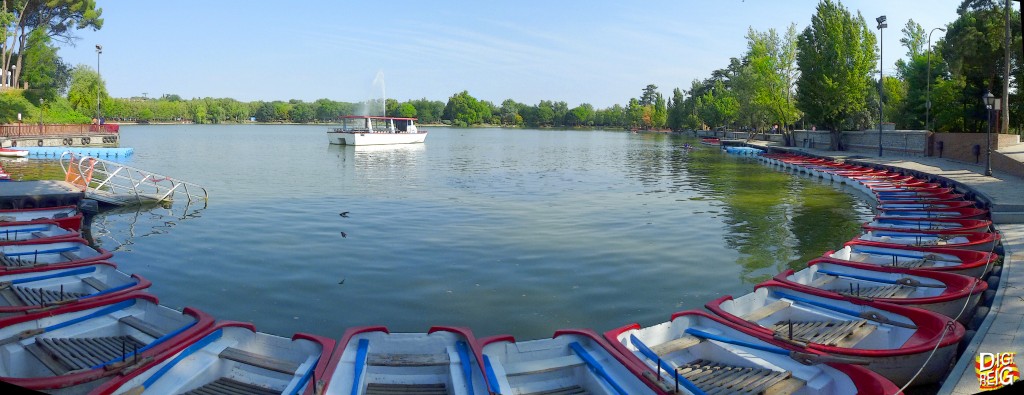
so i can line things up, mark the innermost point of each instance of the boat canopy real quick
(377, 124)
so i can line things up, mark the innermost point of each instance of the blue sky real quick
(598, 52)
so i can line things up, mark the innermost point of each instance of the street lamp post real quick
(881, 80)
(991, 103)
(41, 115)
(928, 88)
(99, 82)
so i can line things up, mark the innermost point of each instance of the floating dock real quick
(34, 194)
(96, 152)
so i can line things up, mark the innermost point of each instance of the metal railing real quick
(118, 184)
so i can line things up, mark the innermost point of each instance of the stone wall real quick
(897, 142)
(961, 146)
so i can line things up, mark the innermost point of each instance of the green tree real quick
(302, 112)
(45, 72)
(82, 93)
(836, 56)
(581, 115)
(57, 19)
(406, 110)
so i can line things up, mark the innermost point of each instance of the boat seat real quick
(684, 342)
(39, 235)
(95, 283)
(832, 333)
(143, 326)
(71, 256)
(260, 361)
(226, 386)
(543, 365)
(573, 390)
(895, 291)
(411, 389)
(822, 280)
(62, 355)
(407, 359)
(39, 296)
(715, 377)
(766, 310)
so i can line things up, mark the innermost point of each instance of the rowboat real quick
(27, 255)
(906, 205)
(697, 353)
(372, 130)
(950, 213)
(230, 358)
(68, 349)
(13, 153)
(936, 225)
(891, 340)
(909, 193)
(966, 262)
(66, 216)
(944, 293)
(371, 360)
(970, 241)
(571, 362)
(925, 198)
(38, 230)
(711, 141)
(46, 289)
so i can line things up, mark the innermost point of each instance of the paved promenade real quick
(1003, 328)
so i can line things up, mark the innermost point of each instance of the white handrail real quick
(116, 183)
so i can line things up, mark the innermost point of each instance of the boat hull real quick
(357, 138)
(66, 216)
(966, 262)
(46, 230)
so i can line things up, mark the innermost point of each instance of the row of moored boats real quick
(860, 319)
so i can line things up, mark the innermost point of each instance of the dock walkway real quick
(1003, 328)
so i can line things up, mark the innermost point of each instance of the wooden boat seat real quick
(226, 386)
(714, 377)
(409, 360)
(39, 235)
(71, 256)
(573, 390)
(832, 333)
(543, 365)
(682, 343)
(766, 310)
(260, 361)
(143, 326)
(95, 283)
(894, 291)
(411, 389)
(822, 280)
(39, 297)
(62, 355)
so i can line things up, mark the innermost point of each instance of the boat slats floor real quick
(411, 389)
(884, 291)
(833, 333)
(226, 386)
(260, 361)
(912, 263)
(62, 355)
(407, 359)
(720, 378)
(38, 296)
(574, 390)
(14, 262)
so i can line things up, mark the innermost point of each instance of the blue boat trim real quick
(492, 379)
(908, 254)
(306, 376)
(596, 367)
(467, 364)
(68, 273)
(858, 277)
(364, 344)
(181, 356)
(98, 313)
(723, 339)
(111, 290)
(647, 352)
(53, 251)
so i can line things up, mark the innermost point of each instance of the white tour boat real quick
(373, 130)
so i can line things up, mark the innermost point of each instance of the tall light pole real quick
(928, 88)
(1004, 126)
(991, 103)
(99, 82)
(881, 80)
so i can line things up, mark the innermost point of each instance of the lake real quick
(513, 231)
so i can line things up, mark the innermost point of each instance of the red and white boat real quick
(908, 205)
(696, 352)
(230, 358)
(970, 241)
(13, 153)
(46, 288)
(891, 340)
(372, 360)
(966, 262)
(67, 217)
(38, 230)
(943, 293)
(30, 255)
(909, 193)
(711, 141)
(949, 213)
(69, 349)
(921, 199)
(573, 361)
(938, 226)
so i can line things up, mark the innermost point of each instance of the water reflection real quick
(116, 229)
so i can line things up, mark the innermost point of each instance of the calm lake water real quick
(501, 230)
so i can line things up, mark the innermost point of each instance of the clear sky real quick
(598, 52)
